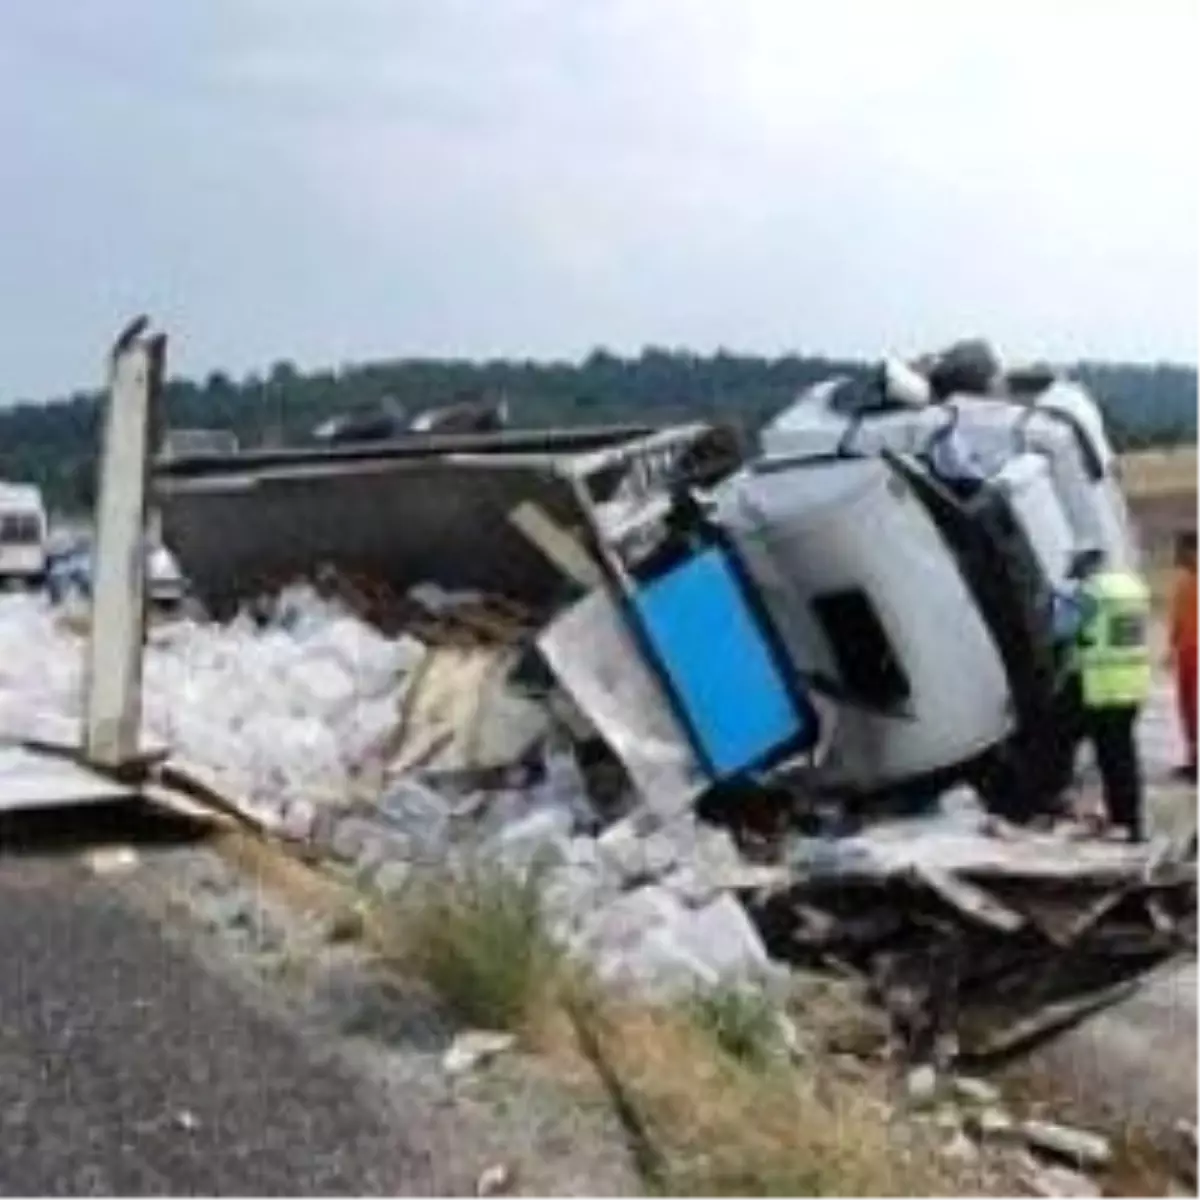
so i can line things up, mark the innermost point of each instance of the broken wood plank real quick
(967, 898)
(561, 547)
(195, 783)
(1050, 1019)
(897, 849)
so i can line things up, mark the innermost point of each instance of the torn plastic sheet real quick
(598, 664)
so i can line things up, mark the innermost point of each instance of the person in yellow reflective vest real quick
(1111, 630)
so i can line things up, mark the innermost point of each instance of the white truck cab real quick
(23, 534)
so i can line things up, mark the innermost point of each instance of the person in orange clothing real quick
(1183, 644)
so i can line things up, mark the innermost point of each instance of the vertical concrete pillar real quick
(112, 716)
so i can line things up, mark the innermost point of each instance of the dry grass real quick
(743, 1022)
(720, 1125)
(1153, 473)
(708, 1104)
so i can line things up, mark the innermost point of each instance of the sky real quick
(330, 181)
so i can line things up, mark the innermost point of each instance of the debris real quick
(112, 860)
(968, 918)
(496, 1180)
(1051, 1017)
(789, 1038)
(421, 814)
(474, 1048)
(465, 714)
(976, 1091)
(960, 1148)
(542, 835)
(594, 657)
(350, 836)
(392, 877)
(187, 1120)
(299, 821)
(1054, 1180)
(723, 937)
(659, 965)
(968, 899)
(992, 1124)
(1078, 1145)
(557, 544)
(633, 855)
(921, 1084)
(1187, 1134)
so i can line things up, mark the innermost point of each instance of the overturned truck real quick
(910, 547)
(862, 606)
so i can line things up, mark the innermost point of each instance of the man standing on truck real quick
(1110, 615)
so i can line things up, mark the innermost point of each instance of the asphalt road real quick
(127, 1067)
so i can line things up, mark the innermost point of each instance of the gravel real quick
(388, 1033)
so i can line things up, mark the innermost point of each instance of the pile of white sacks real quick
(287, 719)
(296, 709)
(651, 905)
(650, 901)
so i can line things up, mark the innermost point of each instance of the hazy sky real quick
(330, 180)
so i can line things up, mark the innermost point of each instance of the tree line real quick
(54, 444)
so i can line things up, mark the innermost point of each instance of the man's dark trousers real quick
(1111, 732)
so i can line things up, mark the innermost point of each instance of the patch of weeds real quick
(479, 940)
(741, 1020)
(710, 1124)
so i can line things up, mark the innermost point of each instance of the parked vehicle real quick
(70, 572)
(23, 531)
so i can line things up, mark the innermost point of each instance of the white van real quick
(23, 532)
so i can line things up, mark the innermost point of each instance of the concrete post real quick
(112, 716)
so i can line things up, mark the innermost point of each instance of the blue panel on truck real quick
(717, 659)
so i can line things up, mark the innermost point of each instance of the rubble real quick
(988, 932)
(112, 860)
(1079, 1146)
(921, 1084)
(498, 1179)
(976, 1091)
(474, 1047)
(1059, 1183)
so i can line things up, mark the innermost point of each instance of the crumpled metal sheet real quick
(30, 780)
(598, 664)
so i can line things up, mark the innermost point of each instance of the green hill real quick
(53, 443)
